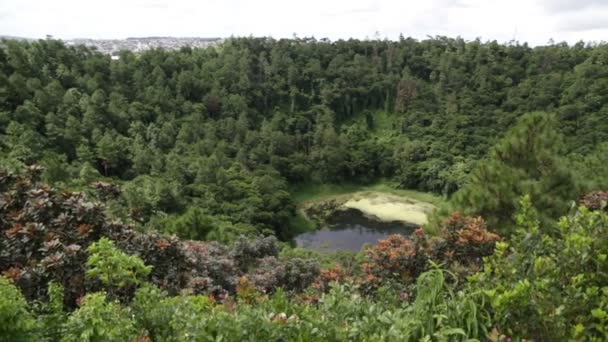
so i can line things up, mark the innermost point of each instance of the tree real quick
(145, 195)
(406, 92)
(193, 225)
(525, 161)
(113, 267)
(111, 151)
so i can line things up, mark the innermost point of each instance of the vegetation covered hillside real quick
(214, 136)
(148, 198)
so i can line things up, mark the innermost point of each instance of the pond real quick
(349, 230)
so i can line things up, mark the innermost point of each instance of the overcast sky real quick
(533, 21)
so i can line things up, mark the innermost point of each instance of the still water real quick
(349, 230)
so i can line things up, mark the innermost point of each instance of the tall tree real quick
(525, 161)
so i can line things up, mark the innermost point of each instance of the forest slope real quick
(217, 135)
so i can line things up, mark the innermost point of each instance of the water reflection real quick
(349, 230)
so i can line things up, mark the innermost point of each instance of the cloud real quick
(456, 3)
(584, 21)
(533, 21)
(593, 17)
(560, 6)
(156, 4)
(356, 8)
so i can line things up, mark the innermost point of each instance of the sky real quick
(532, 21)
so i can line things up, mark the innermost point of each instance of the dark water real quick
(349, 230)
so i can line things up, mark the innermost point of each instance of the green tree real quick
(526, 161)
(194, 224)
(113, 267)
(145, 195)
(111, 151)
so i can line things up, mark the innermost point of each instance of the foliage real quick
(525, 161)
(550, 282)
(45, 236)
(440, 314)
(595, 200)
(205, 143)
(466, 239)
(16, 322)
(395, 257)
(225, 129)
(99, 320)
(462, 244)
(51, 313)
(340, 315)
(543, 283)
(193, 225)
(113, 267)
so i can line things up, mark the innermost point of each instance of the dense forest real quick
(149, 197)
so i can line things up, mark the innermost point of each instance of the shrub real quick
(442, 315)
(45, 235)
(153, 311)
(595, 200)
(246, 252)
(16, 322)
(113, 267)
(394, 258)
(549, 283)
(99, 320)
(466, 239)
(328, 276)
(51, 314)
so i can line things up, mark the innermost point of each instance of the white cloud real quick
(560, 6)
(535, 21)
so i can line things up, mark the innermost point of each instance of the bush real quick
(99, 320)
(466, 239)
(595, 200)
(396, 258)
(16, 322)
(153, 311)
(52, 316)
(113, 267)
(463, 243)
(45, 235)
(549, 283)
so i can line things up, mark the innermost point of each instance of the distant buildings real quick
(113, 46)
